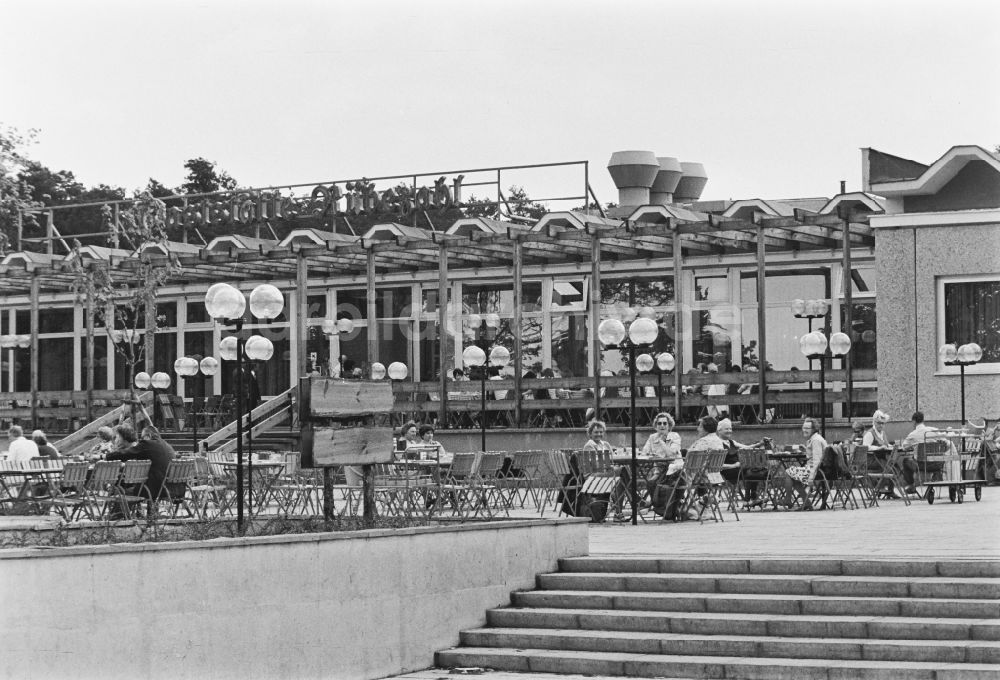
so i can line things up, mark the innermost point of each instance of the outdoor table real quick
(25, 477)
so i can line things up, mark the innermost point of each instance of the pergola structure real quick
(756, 229)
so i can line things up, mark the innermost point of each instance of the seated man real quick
(920, 434)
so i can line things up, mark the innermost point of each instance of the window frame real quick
(982, 368)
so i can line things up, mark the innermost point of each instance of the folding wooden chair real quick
(68, 494)
(131, 489)
(176, 491)
(101, 489)
(565, 479)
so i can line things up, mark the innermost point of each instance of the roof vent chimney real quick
(633, 173)
(662, 191)
(692, 183)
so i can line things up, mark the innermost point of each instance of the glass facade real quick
(717, 307)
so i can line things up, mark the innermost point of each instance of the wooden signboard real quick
(349, 445)
(334, 398)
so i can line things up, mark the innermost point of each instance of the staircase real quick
(748, 618)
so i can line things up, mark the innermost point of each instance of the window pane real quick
(570, 344)
(713, 333)
(166, 315)
(863, 339)
(164, 356)
(56, 356)
(58, 320)
(714, 288)
(196, 312)
(316, 306)
(317, 352)
(430, 342)
(864, 279)
(351, 304)
(783, 331)
(490, 298)
(22, 321)
(22, 370)
(787, 285)
(569, 295)
(354, 353)
(100, 362)
(641, 292)
(972, 314)
(198, 344)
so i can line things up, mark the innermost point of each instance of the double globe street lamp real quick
(814, 345)
(226, 305)
(965, 355)
(664, 363)
(642, 332)
(475, 356)
(158, 382)
(190, 367)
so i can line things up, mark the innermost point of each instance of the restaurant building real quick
(910, 262)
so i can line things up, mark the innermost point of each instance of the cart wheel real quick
(930, 495)
(952, 492)
(979, 493)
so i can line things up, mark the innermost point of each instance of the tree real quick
(203, 178)
(122, 294)
(15, 194)
(516, 203)
(158, 190)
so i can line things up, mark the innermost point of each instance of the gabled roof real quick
(572, 219)
(486, 225)
(315, 237)
(230, 241)
(751, 205)
(388, 231)
(176, 247)
(879, 180)
(854, 200)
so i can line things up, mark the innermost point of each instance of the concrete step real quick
(950, 651)
(791, 584)
(653, 665)
(707, 623)
(760, 604)
(799, 565)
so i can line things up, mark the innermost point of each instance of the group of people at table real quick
(120, 443)
(664, 481)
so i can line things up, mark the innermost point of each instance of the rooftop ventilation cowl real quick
(692, 183)
(633, 173)
(670, 173)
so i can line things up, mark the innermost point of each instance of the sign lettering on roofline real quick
(358, 197)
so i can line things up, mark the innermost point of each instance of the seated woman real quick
(409, 437)
(427, 443)
(665, 475)
(104, 443)
(797, 477)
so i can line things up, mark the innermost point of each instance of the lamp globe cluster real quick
(12, 341)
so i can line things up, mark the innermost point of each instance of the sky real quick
(776, 99)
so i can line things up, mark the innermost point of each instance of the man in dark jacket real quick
(150, 447)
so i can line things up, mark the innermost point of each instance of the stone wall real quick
(349, 605)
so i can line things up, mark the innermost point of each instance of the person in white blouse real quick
(20, 449)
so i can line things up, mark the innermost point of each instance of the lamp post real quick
(226, 305)
(339, 327)
(190, 367)
(809, 310)
(474, 355)
(642, 333)
(814, 345)
(961, 356)
(158, 382)
(664, 363)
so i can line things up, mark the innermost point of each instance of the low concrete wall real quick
(349, 605)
